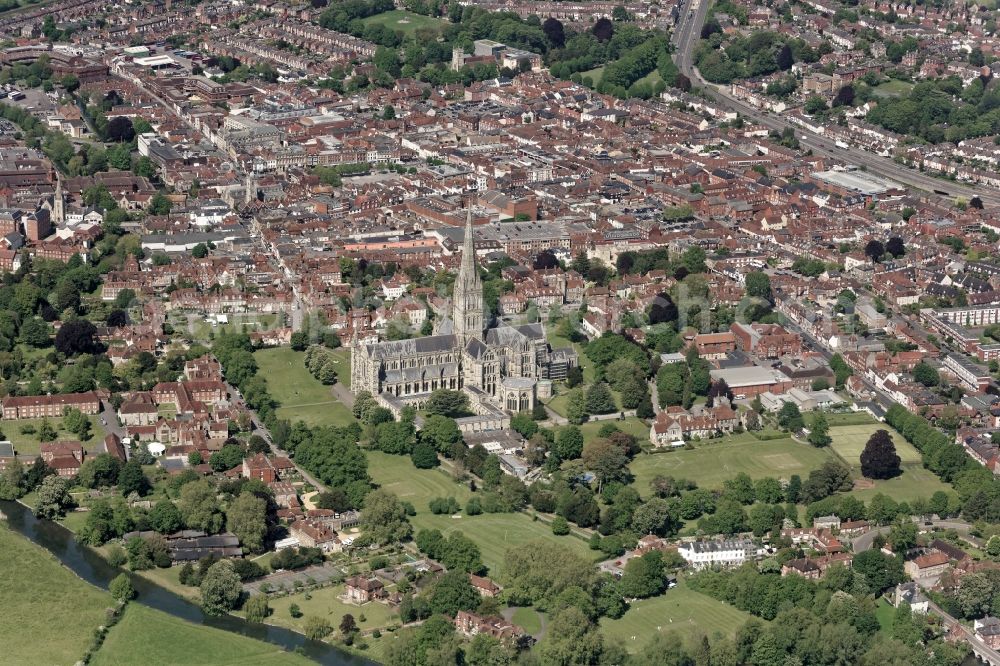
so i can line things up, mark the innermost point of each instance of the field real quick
(301, 396)
(30, 444)
(893, 88)
(324, 603)
(151, 637)
(49, 614)
(679, 609)
(632, 425)
(493, 533)
(715, 461)
(915, 481)
(404, 21)
(528, 619)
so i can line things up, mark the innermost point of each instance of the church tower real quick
(468, 296)
(58, 210)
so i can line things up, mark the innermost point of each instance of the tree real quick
(644, 576)
(653, 517)
(442, 432)
(257, 608)
(600, 400)
(874, 250)
(447, 402)
(76, 337)
(554, 32)
(53, 498)
(603, 29)
(815, 104)
(976, 594)
(576, 406)
(758, 285)
(121, 588)
(165, 517)
(221, 588)
(199, 251)
(383, 518)
(247, 519)
(571, 638)
(925, 373)
(790, 418)
(199, 505)
(605, 459)
(348, 625)
(845, 96)
(819, 431)
(879, 459)
(12, 481)
(159, 204)
(120, 129)
(317, 628)
(424, 456)
(881, 571)
(452, 593)
(559, 526)
(569, 443)
(132, 479)
(895, 247)
(99, 472)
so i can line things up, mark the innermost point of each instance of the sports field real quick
(49, 615)
(148, 636)
(404, 21)
(849, 441)
(680, 609)
(300, 395)
(714, 461)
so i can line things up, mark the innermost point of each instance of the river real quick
(91, 567)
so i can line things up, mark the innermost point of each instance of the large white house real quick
(723, 553)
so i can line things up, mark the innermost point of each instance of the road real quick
(686, 37)
(233, 395)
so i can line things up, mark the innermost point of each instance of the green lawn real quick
(885, 614)
(29, 444)
(632, 425)
(893, 88)
(528, 619)
(915, 481)
(419, 486)
(714, 461)
(496, 533)
(404, 21)
(493, 533)
(49, 614)
(301, 396)
(849, 441)
(148, 636)
(594, 74)
(325, 603)
(680, 609)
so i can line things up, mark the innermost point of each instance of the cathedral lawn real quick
(301, 396)
(493, 533)
(30, 445)
(681, 610)
(147, 635)
(49, 614)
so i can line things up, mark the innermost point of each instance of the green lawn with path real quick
(147, 636)
(712, 462)
(406, 22)
(301, 396)
(680, 609)
(49, 614)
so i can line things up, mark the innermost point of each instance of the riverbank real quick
(93, 573)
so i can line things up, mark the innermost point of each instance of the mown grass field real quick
(528, 619)
(302, 397)
(493, 533)
(29, 444)
(633, 426)
(680, 609)
(148, 636)
(49, 614)
(714, 461)
(849, 441)
(324, 603)
(406, 22)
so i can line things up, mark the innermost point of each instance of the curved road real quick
(685, 37)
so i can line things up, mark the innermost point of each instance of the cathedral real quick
(503, 369)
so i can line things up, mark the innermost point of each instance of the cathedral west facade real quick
(505, 368)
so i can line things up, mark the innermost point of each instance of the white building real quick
(723, 553)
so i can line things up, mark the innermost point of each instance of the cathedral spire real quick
(468, 295)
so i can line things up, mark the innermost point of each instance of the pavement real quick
(686, 35)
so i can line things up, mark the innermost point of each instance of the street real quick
(686, 36)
